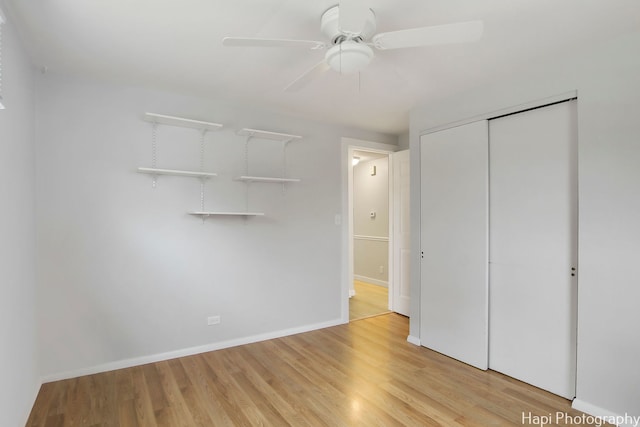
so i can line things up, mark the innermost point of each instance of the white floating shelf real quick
(275, 136)
(179, 121)
(246, 178)
(205, 214)
(154, 171)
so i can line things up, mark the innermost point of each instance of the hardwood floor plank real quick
(268, 385)
(78, 402)
(124, 384)
(234, 400)
(127, 414)
(55, 420)
(310, 394)
(201, 396)
(154, 389)
(423, 403)
(42, 405)
(363, 373)
(301, 381)
(178, 414)
(145, 415)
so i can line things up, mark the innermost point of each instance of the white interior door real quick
(454, 203)
(401, 285)
(533, 247)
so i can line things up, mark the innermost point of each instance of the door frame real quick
(345, 219)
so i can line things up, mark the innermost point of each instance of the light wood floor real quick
(369, 300)
(363, 373)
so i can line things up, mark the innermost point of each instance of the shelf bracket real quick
(203, 133)
(154, 152)
(246, 171)
(246, 153)
(285, 144)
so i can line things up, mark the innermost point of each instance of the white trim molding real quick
(348, 147)
(370, 238)
(136, 361)
(413, 340)
(626, 420)
(370, 280)
(509, 110)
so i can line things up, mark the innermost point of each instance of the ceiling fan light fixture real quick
(349, 56)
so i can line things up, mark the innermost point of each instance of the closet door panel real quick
(454, 203)
(533, 247)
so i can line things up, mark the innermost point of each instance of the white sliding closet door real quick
(533, 247)
(454, 201)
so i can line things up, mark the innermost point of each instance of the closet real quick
(499, 245)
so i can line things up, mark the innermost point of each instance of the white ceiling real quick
(176, 45)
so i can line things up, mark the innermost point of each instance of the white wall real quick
(403, 141)
(607, 80)
(124, 273)
(18, 365)
(371, 193)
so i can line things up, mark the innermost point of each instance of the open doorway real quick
(370, 216)
(395, 267)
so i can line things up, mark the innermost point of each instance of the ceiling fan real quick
(350, 28)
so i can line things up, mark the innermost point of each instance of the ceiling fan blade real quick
(260, 42)
(461, 32)
(309, 75)
(352, 16)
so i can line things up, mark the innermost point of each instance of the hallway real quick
(369, 300)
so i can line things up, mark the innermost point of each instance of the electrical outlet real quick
(381, 269)
(213, 320)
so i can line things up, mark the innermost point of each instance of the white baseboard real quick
(352, 293)
(371, 280)
(127, 363)
(413, 340)
(626, 420)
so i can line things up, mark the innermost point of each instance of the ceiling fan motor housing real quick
(330, 26)
(349, 56)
